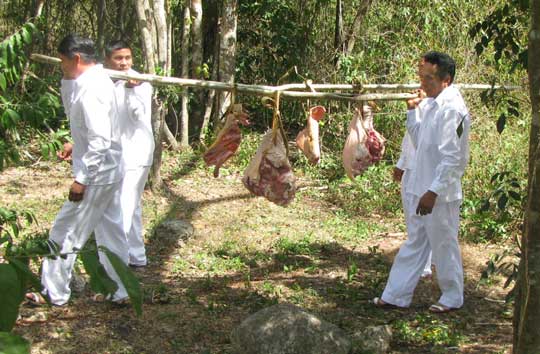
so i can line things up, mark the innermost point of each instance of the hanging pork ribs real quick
(364, 145)
(269, 174)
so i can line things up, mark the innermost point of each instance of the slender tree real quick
(196, 38)
(227, 50)
(155, 54)
(184, 120)
(338, 32)
(527, 306)
(356, 26)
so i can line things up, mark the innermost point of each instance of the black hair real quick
(74, 44)
(446, 66)
(115, 45)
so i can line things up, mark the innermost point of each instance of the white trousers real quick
(405, 203)
(437, 231)
(130, 199)
(72, 228)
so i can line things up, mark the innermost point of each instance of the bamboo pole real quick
(287, 90)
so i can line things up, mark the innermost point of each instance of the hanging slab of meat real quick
(228, 139)
(308, 139)
(269, 173)
(364, 145)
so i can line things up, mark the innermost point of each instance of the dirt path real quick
(245, 254)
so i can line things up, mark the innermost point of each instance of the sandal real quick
(103, 298)
(378, 302)
(35, 299)
(439, 308)
(99, 297)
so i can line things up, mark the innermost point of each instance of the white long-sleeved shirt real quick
(408, 152)
(135, 113)
(406, 158)
(439, 130)
(90, 104)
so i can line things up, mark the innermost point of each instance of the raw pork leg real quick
(308, 139)
(364, 145)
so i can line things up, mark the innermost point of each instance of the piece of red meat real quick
(227, 140)
(269, 174)
(364, 145)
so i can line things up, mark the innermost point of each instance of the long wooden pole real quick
(288, 90)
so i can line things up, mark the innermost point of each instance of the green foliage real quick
(507, 192)
(13, 344)
(100, 282)
(12, 55)
(9, 300)
(53, 142)
(505, 29)
(26, 105)
(503, 103)
(128, 279)
(505, 263)
(352, 270)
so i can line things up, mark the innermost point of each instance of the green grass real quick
(425, 329)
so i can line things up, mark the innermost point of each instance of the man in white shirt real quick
(134, 109)
(439, 130)
(94, 199)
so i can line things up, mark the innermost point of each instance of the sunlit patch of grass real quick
(425, 329)
(303, 246)
(373, 192)
(214, 264)
(342, 227)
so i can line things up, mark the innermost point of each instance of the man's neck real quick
(83, 67)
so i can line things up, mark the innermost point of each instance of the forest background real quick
(283, 41)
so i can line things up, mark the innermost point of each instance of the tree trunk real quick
(356, 26)
(157, 127)
(153, 27)
(146, 34)
(39, 8)
(227, 50)
(527, 306)
(160, 19)
(196, 39)
(211, 99)
(338, 33)
(184, 120)
(101, 11)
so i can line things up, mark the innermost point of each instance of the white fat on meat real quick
(364, 145)
(308, 139)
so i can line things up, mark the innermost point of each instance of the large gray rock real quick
(288, 329)
(175, 230)
(372, 340)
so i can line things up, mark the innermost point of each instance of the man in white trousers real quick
(94, 199)
(401, 174)
(439, 130)
(134, 108)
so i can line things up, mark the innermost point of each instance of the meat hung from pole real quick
(228, 139)
(308, 139)
(269, 174)
(364, 145)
